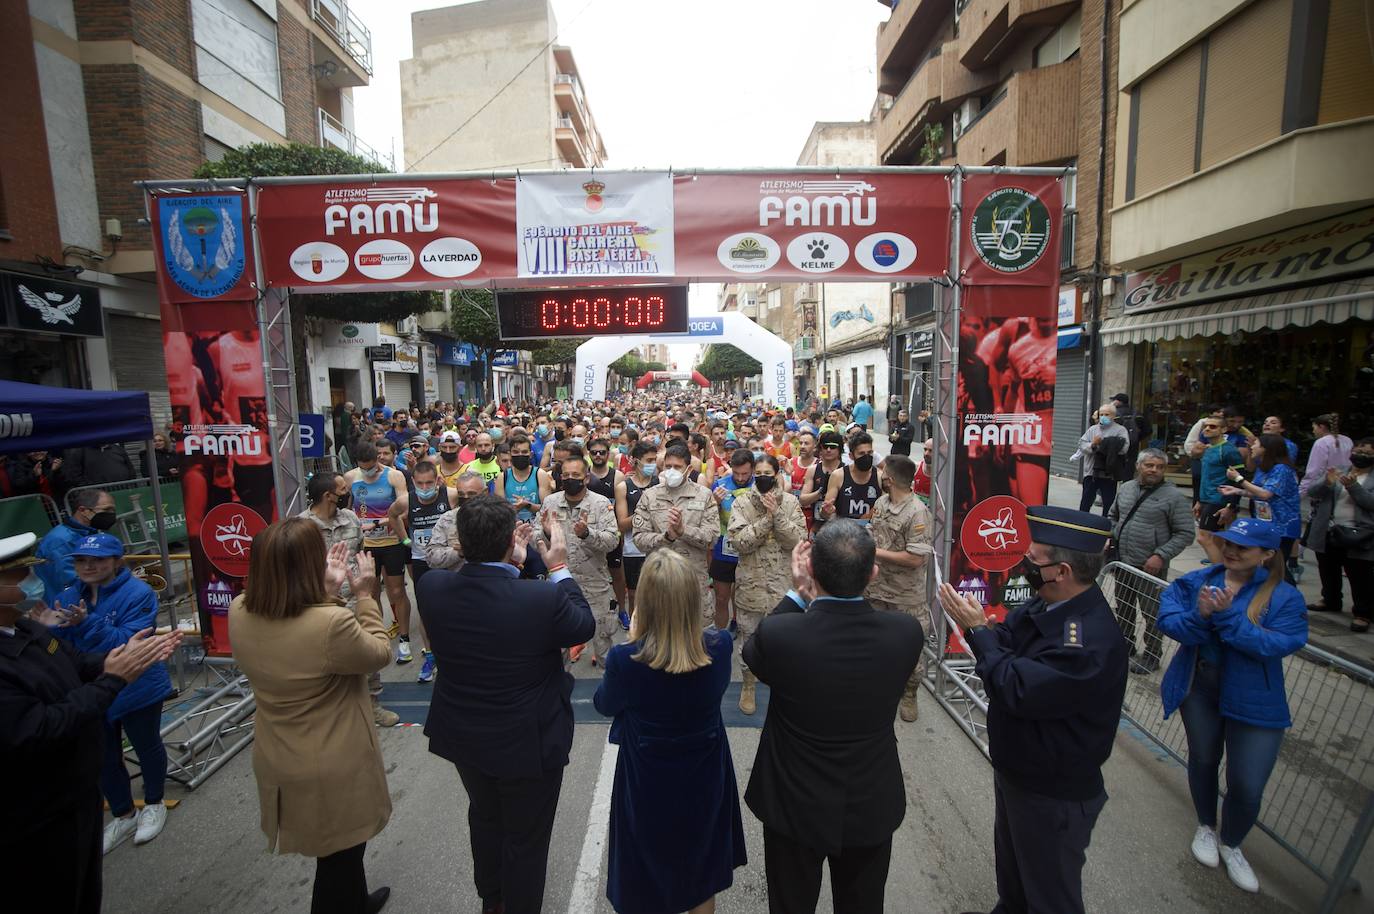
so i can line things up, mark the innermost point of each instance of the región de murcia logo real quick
(1010, 229)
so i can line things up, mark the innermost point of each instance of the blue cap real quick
(791, 425)
(1251, 531)
(1068, 529)
(99, 545)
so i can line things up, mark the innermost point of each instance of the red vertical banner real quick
(218, 392)
(1008, 348)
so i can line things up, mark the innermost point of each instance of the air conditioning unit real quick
(433, 321)
(408, 326)
(964, 115)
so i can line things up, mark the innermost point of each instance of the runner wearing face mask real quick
(450, 462)
(854, 489)
(526, 487)
(418, 509)
(375, 488)
(628, 491)
(682, 516)
(485, 463)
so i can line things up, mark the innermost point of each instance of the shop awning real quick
(1330, 303)
(1070, 337)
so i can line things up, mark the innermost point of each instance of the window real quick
(1062, 44)
(774, 299)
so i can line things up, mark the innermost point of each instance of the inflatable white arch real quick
(595, 356)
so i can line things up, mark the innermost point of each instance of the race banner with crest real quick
(218, 392)
(1008, 348)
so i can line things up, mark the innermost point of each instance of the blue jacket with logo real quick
(126, 606)
(1252, 690)
(57, 572)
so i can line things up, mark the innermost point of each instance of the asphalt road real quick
(212, 856)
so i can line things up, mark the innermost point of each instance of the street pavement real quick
(213, 857)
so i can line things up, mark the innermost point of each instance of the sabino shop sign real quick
(1316, 252)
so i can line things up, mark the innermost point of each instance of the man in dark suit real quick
(827, 783)
(502, 710)
(1055, 676)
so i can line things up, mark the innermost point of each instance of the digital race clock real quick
(529, 314)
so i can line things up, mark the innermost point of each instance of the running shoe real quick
(623, 616)
(1238, 868)
(118, 831)
(403, 654)
(427, 668)
(151, 819)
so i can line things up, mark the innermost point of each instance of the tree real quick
(473, 320)
(722, 362)
(267, 159)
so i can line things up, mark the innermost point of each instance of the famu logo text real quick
(1010, 229)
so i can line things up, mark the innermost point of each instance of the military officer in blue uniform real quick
(1055, 676)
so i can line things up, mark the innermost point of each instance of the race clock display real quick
(527, 314)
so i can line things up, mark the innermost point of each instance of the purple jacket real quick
(1327, 451)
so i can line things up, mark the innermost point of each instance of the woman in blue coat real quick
(1234, 622)
(676, 831)
(106, 608)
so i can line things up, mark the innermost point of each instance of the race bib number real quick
(421, 537)
(1263, 511)
(727, 547)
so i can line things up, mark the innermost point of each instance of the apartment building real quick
(103, 93)
(1242, 213)
(489, 87)
(1006, 82)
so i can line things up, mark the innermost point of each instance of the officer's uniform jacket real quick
(1055, 678)
(764, 541)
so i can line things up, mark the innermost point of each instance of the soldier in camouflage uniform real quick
(442, 550)
(590, 529)
(903, 533)
(765, 523)
(682, 516)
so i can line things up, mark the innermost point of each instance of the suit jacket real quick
(827, 773)
(503, 703)
(321, 782)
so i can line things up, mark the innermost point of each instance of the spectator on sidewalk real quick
(1330, 451)
(95, 466)
(902, 434)
(1152, 523)
(1226, 682)
(1106, 459)
(35, 473)
(863, 412)
(1342, 535)
(1194, 447)
(164, 457)
(1273, 425)
(1136, 425)
(93, 511)
(1273, 492)
(894, 406)
(1214, 510)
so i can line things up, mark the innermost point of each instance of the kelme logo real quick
(1010, 229)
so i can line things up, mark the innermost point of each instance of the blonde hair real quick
(667, 619)
(1259, 603)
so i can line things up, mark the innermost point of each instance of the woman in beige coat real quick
(321, 784)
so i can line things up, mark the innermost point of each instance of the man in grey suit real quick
(1152, 522)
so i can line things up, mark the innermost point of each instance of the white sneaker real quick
(119, 831)
(150, 822)
(1205, 846)
(1239, 869)
(403, 654)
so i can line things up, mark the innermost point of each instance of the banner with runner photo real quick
(1008, 347)
(812, 226)
(218, 393)
(599, 226)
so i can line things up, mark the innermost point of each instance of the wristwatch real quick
(982, 626)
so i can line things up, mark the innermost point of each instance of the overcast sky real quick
(715, 83)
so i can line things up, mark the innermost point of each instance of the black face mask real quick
(765, 484)
(448, 456)
(103, 520)
(520, 461)
(864, 463)
(574, 487)
(345, 499)
(1033, 573)
(1361, 461)
(484, 455)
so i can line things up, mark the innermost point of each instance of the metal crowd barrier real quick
(328, 463)
(1319, 802)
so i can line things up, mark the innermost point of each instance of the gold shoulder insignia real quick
(1073, 633)
(52, 645)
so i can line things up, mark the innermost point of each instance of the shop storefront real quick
(1280, 325)
(42, 325)
(1071, 407)
(459, 369)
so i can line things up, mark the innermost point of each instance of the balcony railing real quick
(804, 348)
(345, 28)
(333, 133)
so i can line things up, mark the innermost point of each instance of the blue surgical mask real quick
(1105, 420)
(649, 468)
(33, 592)
(757, 456)
(495, 435)
(426, 494)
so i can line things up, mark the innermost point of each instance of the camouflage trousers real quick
(921, 613)
(607, 623)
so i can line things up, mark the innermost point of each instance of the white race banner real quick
(609, 224)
